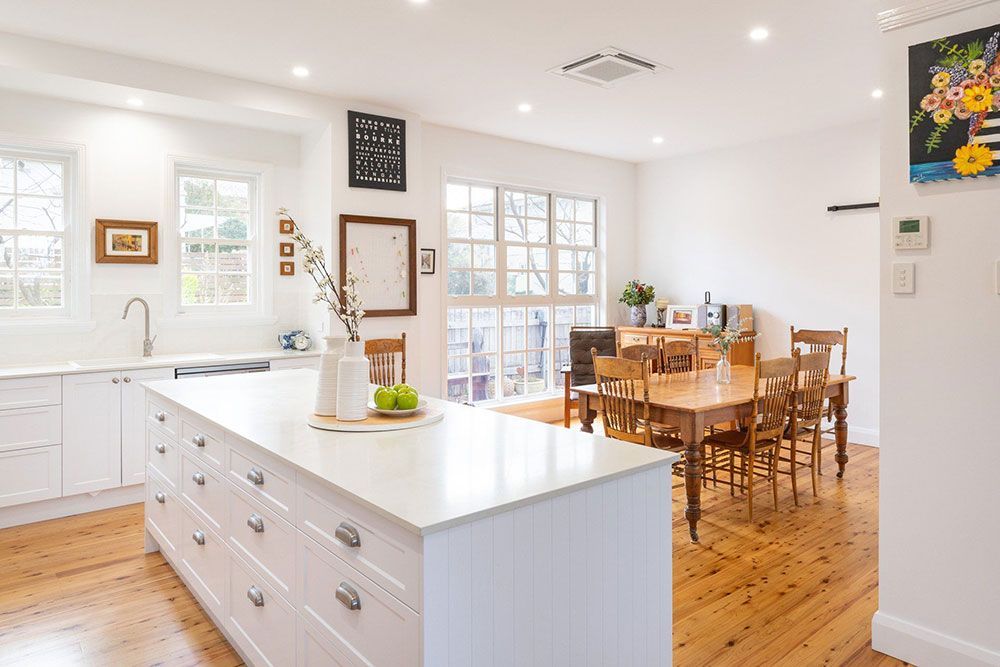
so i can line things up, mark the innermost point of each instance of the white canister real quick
(352, 383)
(326, 382)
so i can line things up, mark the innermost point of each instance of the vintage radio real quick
(711, 314)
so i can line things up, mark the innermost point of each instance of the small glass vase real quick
(723, 369)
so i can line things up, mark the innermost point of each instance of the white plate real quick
(421, 404)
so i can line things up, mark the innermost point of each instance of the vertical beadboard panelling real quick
(640, 577)
(460, 595)
(625, 537)
(596, 534)
(435, 608)
(560, 582)
(523, 583)
(578, 576)
(611, 601)
(503, 589)
(482, 592)
(542, 569)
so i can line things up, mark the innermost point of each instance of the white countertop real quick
(473, 463)
(156, 361)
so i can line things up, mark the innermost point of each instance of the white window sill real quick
(214, 320)
(520, 401)
(55, 325)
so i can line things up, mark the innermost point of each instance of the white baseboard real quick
(918, 645)
(862, 436)
(70, 505)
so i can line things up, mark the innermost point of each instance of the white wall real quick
(939, 592)
(750, 225)
(125, 175)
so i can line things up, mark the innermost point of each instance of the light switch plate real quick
(996, 275)
(902, 278)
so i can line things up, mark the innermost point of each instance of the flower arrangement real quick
(637, 294)
(345, 303)
(964, 86)
(725, 337)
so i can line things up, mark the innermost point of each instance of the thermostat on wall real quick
(910, 233)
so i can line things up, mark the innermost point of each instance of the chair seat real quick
(666, 441)
(734, 439)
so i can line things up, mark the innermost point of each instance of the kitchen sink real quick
(156, 359)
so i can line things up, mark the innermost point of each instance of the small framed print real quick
(286, 227)
(427, 260)
(125, 242)
(286, 249)
(286, 268)
(682, 317)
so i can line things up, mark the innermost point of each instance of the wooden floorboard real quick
(796, 587)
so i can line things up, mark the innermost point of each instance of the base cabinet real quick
(30, 474)
(92, 432)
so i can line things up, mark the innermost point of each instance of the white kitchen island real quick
(484, 539)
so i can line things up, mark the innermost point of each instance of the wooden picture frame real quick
(286, 250)
(383, 253)
(126, 242)
(428, 261)
(682, 317)
(286, 268)
(286, 227)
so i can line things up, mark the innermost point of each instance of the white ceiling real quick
(469, 63)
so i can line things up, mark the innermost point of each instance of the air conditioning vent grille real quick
(607, 68)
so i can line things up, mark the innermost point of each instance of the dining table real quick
(694, 401)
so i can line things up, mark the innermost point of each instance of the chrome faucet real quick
(147, 342)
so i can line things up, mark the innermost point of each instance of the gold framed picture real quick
(125, 242)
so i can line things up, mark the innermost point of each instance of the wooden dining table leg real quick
(840, 430)
(692, 433)
(587, 413)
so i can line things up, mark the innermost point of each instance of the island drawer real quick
(163, 514)
(30, 427)
(203, 439)
(263, 540)
(163, 455)
(162, 414)
(314, 650)
(204, 491)
(30, 392)
(258, 619)
(264, 477)
(379, 630)
(204, 558)
(376, 547)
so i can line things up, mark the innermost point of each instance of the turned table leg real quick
(586, 413)
(840, 435)
(694, 470)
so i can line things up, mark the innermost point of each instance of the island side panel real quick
(582, 578)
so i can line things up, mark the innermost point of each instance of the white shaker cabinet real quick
(133, 435)
(92, 431)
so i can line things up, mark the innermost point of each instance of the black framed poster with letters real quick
(376, 151)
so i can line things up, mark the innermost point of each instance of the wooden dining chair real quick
(805, 420)
(679, 356)
(756, 447)
(381, 353)
(580, 369)
(819, 340)
(651, 353)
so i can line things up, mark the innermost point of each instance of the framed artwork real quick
(682, 317)
(427, 260)
(286, 249)
(286, 227)
(382, 253)
(955, 104)
(126, 242)
(286, 268)
(376, 150)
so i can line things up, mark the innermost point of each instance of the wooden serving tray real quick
(376, 422)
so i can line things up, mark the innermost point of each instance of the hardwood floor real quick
(798, 587)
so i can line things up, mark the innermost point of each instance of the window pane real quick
(584, 234)
(585, 260)
(197, 223)
(538, 258)
(458, 389)
(538, 231)
(538, 326)
(40, 213)
(482, 227)
(234, 225)
(458, 330)
(459, 256)
(564, 233)
(482, 200)
(564, 208)
(234, 289)
(484, 256)
(39, 252)
(514, 203)
(484, 330)
(197, 289)
(567, 283)
(197, 257)
(458, 365)
(458, 225)
(39, 178)
(514, 229)
(234, 194)
(6, 174)
(6, 289)
(585, 316)
(458, 197)
(39, 290)
(561, 359)
(517, 257)
(537, 371)
(458, 283)
(7, 252)
(584, 210)
(538, 206)
(517, 284)
(234, 258)
(538, 284)
(484, 377)
(585, 283)
(513, 375)
(484, 283)
(196, 191)
(566, 260)
(563, 322)
(513, 328)
(7, 212)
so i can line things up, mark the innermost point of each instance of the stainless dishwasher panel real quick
(222, 369)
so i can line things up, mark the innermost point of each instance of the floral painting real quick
(955, 107)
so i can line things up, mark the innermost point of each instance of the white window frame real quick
(262, 237)
(74, 315)
(500, 299)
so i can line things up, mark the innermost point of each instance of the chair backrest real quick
(770, 406)
(581, 340)
(381, 353)
(816, 340)
(810, 384)
(623, 391)
(679, 356)
(651, 353)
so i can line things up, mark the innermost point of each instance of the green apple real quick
(386, 400)
(403, 387)
(407, 401)
(378, 390)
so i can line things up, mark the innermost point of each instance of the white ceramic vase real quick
(326, 383)
(352, 383)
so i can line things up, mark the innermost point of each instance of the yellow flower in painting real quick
(940, 80)
(972, 159)
(942, 116)
(977, 67)
(978, 98)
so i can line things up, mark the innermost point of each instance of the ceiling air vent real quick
(608, 68)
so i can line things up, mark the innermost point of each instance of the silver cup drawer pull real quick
(198, 478)
(255, 477)
(161, 497)
(348, 596)
(160, 448)
(256, 596)
(160, 416)
(348, 534)
(198, 439)
(198, 537)
(256, 522)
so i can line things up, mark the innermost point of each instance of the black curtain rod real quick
(850, 207)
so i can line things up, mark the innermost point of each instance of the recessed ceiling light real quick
(657, 140)
(877, 93)
(524, 107)
(759, 34)
(300, 71)
(133, 102)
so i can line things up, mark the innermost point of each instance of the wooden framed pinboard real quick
(383, 253)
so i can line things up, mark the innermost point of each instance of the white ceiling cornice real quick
(908, 12)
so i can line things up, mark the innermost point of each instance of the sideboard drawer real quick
(203, 439)
(30, 474)
(163, 455)
(386, 553)
(262, 476)
(259, 620)
(381, 631)
(163, 514)
(269, 548)
(633, 339)
(204, 491)
(204, 559)
(30, 427)
(162, 414)
(30, 392)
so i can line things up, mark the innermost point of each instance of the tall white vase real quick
(326, 383)
(352, 383)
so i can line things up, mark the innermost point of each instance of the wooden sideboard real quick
(742, 353)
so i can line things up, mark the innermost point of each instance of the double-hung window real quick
(521, 271)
